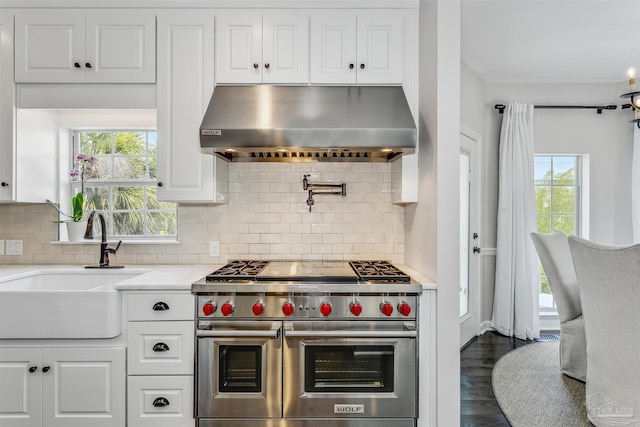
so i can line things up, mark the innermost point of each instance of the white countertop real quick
(157, 277)
(151, 277)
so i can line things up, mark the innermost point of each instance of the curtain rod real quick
(599, 108)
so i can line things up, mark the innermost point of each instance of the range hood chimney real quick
(308, 123)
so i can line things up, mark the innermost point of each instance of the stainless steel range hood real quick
(308, 123)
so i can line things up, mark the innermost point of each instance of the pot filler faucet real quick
(337, 189)
(104, 249)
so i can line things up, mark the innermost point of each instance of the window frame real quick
(112, 184)
(581, 203)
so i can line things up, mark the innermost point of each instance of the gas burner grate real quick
(379, 271)
(238, 270)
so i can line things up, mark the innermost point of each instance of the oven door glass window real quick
(240, 369)
(349, 369)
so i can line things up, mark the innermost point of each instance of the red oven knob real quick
(288, 308)
(325, 309)
(226, 309)
(404, 308)
(208, 308)
(355, 308)
(258, 308)
(386, 308)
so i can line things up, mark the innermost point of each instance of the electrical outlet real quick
(1, 247)
(214, 248)
(13, 247)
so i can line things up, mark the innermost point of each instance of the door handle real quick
(273, 332)
(352, 334)
(160, 347)
(160, 306)
(161, 402)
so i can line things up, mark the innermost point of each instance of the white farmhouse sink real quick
(62, 304)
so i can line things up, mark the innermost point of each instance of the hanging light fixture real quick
(633, 95)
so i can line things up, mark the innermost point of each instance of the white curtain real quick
(515, 302)
(635, 185)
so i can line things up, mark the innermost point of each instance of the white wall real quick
(432, 225)
(472, 99)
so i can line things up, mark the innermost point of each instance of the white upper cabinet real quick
(34, 129)
(185, 85)
(6, 109)
(256, 48)
(350, 49)
(96, 47)
(333, 49)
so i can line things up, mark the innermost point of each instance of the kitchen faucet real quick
(104, 249)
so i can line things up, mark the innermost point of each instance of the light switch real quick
(13, 247)
(1, 247)
(214, 248)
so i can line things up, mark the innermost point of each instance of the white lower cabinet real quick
(160, 347)
(160, 401)
(160, 359)
(62, 387)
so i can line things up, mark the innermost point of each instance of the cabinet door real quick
(120, 48)
(380, 48)
(7, 109)
(333, 49)
(285, 48)
(160, 306)
(49, 47)
(84, 387)
(239, 48)
(157, 348)
(160, 401)
(185, 85)
(20, 389)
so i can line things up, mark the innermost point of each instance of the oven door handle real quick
(274, 332)
(351, 334)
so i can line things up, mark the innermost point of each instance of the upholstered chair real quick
(609, 278)
(554, 254)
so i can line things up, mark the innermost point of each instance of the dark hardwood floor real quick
(478, 406)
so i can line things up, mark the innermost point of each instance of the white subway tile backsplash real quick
(332, 238)
(248, 238)
(321, 248)
(266, 217)
(312, 238)
(278, 229)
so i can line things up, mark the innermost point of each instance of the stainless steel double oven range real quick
(306, 344)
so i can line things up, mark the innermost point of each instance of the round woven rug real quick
(532, 391)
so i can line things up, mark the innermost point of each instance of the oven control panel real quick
(333, 307)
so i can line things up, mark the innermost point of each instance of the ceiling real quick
(557, 41)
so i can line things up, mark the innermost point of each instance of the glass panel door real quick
(349, 368)
(240, 368)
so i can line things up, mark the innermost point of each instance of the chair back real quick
(609, 278)
(555, 257)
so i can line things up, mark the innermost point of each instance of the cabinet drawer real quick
(160, 401)
(160, 348)
(160, 306)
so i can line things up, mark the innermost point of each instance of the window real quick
(125, 191)
(558, 202)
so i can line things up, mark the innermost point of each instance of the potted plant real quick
(84, 168)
